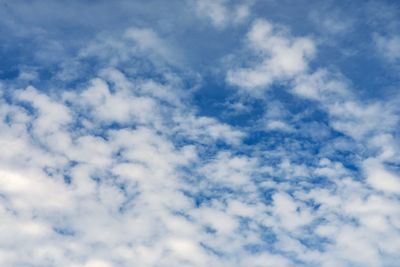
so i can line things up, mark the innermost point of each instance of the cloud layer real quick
(222, 137)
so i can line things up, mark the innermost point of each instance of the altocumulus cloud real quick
(202, 133)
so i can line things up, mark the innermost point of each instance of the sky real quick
(191, 133)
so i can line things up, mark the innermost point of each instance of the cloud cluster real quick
(96, 177)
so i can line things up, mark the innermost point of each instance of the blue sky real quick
(253, 133)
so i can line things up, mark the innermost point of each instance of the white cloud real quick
(381, 179)
(276, 125)
(388, 46)
(28, 74)
(230, 170)
(280, 57)
(321, 85)
(290, 214)
(142, 44)
(332, 21)
(223, 13)
(149, 42)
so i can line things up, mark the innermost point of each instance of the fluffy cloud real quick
(280, 57)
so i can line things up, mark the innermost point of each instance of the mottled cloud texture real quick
(199, 133)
